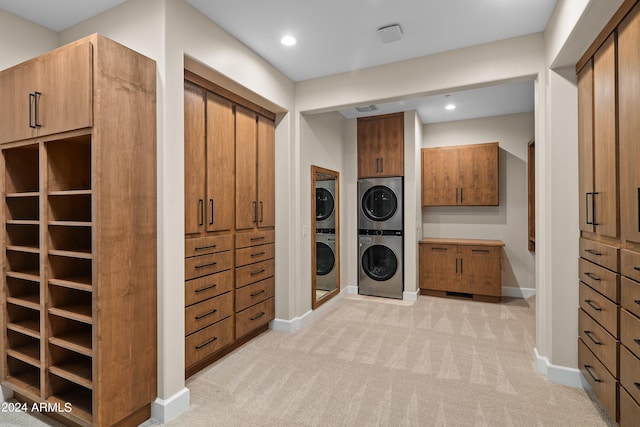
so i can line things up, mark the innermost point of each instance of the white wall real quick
(506, 222)
(21, 40)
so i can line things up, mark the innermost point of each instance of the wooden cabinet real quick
(381, 146)
(49, 94)
(461, 267)
(466, 175)
(229, 222)
(79, 237)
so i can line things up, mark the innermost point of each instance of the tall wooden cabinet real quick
(229, 222)
(78, 180)
(381, 146)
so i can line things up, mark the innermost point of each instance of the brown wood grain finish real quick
(438, 264)
(194, 158)
(585, 147)
(630, 331)
(254, 293)
(254, 317)
(605, 140)
(208, 312)
(629, 294)
(246, 172)
(207, 341)
(202, 288)
(629, 125)
(259, 237)
(461, 242)
(207, 264)
(630, 372)
(603, 384)
(599, 278)
(254, 254)
(254, 272)
(439, 184)
(266, 173)
(381, 145)
(368, 148)
(629, 410)
(600, 253)
(208, 245)
(600, 308)
(630, 264)
(601, 343)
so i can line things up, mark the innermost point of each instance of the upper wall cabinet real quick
(598, 143)
(48, 94)
(465, 175)
(381, 146)
(629, 125)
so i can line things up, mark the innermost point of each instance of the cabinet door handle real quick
(592, 276)
(211, 208)
(255, 211)
(261, 212)
(461, 194)
(381, 164)
(461, 265)
(637, 301)
(592, 305)
(586, 204)
(259, 315)
(589, 368)
(260, 292)
(590, 335)
(206, 288)
(210, 313)
(32, 102)
(206, 343)
(638, 209)
(593, 252)
(37, 109)
(201, 209)
(456, 265)
(212, 264)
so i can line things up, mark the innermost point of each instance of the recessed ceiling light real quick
(288, 40)
(450, 107)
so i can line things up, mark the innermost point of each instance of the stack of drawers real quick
(630, 338)
(208, 296)
(598, 319)
(255, 286)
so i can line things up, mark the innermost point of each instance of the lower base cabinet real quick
(461, 268)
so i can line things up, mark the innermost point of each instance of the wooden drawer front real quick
(599, 308)
(254, 254)
(202, 288)
(601, 381)
(629, 410)
(207, 312)
(630, 373)
(630, 331)
(604, 281)
(207, 341)
(255, 293)
(207, 245)
(601, 254)
(630, 264)
(254, 272)
(599, 341)
(481, 251)
(439, 249)
(207, 264)
(629, 294)
(244, 240)
(255, 317)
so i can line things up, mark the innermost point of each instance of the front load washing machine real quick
(380, 258)
(325, 261)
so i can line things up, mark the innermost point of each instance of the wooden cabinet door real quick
(246, 171)
(478, 175)
(368, 148)
(17, 86)
(391, 134)
(194, 158)
(220, 163)
(605, 140)
(585, 147)
(439, 176)
(480, 270)
(629, 124)
(66, 86)
(438, 267)
(266, 173)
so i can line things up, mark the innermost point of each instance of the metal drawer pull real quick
(260, 292)
(588, 368)
(253, 239)
(202, 316)
(589, 334)
(637, 341)
(212, 211)
(254, 273)
(259, 315)
(637, 385)
(637, 267)
(593, 252)
(592, 305)
(484, 251)
(206, 288)
(204, 344)
(206, 265)
(439, 249)
(637, 301)
(202, 248)
(592, 276)
(258, 254)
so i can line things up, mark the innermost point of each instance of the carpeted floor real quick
(379, 362)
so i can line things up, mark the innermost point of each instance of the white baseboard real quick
(559, 374)
(352, 290)
(410, 296)
(513, 292)
(5, 393)
(300, 322)
(168, 409)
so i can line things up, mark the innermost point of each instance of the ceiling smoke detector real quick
(366, 109)
(390, 33)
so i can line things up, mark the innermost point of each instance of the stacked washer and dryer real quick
(325, 235)
(380, 237)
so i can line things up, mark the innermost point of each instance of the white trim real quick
(5, 393)
(301, 322)
(410, 296)
(559, 374)
(513, 292)
(351, 290)
(168, 409)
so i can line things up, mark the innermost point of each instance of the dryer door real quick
(325, 259)
(379, 263)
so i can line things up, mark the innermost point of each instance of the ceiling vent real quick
(366, 109)
(390, 33)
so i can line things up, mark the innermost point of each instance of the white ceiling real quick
(336, 36)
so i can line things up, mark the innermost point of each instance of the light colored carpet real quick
(378, 362)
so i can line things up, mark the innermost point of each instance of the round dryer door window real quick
(324, 204)
(379, 203)
(379, 263)
(325, 259)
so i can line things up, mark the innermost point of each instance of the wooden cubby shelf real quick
(27, 327)
(29, 354)
(75, 342)
(81, 313)
(24, 376)
(31, 301)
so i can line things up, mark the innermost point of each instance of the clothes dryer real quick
(325, 261)
(380, 204)
(326, 206)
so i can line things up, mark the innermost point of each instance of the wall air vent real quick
(366, 109)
